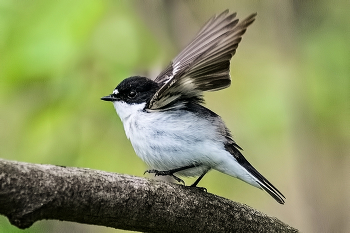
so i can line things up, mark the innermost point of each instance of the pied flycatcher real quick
(170, 129)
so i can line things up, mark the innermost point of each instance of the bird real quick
(165, 119)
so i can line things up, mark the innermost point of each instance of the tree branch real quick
(32, 192)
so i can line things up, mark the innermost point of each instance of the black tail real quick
(264, 183)
(260, 179)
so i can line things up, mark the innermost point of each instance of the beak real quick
(109, 98)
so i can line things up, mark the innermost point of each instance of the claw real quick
(150, 171)
(178, 179)
(164, 173)
(202, 189)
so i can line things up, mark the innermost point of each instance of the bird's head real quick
(131, 95)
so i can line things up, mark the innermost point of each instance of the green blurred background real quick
(288, 105)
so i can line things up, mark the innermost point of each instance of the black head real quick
(133, 90)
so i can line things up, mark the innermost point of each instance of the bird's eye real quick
(132, 94)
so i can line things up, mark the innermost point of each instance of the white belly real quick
(175, 139)
(171, 140)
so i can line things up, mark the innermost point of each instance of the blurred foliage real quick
(288, 105)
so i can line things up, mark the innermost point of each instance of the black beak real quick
(109, 98)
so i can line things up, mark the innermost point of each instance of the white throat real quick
(128, 113)
(125, 110)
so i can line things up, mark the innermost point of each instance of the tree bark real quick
(32, 192)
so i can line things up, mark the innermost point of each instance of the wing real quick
(204, 65)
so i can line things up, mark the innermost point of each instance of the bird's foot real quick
(200, 188)
(165, 173)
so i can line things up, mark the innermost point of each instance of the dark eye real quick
(132, 94)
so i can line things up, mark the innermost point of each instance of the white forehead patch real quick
(115, 91)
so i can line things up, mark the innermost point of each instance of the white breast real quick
(127, 113)
(171, 139)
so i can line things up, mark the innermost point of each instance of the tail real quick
(258, 178)
(264, 183)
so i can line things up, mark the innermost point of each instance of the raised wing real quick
(204, 65)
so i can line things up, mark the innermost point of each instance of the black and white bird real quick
(170, 129)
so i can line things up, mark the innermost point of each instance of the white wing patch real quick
(176, 68)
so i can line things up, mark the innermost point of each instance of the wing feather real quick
(204, 65)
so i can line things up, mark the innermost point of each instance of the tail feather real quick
(264, 183)
(260, 179)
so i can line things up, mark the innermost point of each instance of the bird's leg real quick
(171, 172)
(199, 179)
